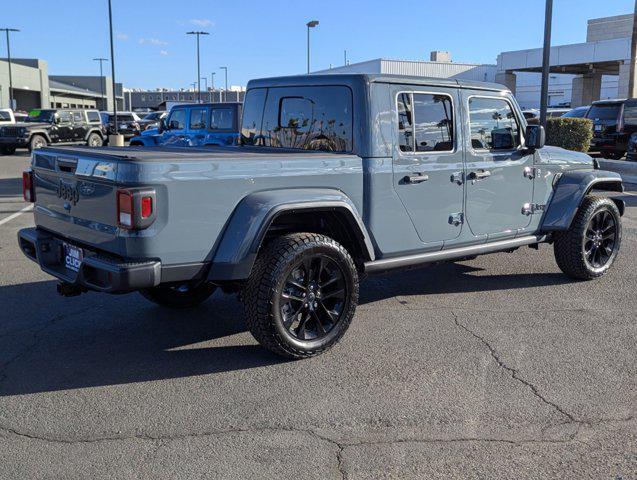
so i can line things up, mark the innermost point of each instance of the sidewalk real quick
(628, 170)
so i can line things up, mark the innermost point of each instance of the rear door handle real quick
(479, 175)
(418, 178)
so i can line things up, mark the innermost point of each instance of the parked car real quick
(127, 123)
(577, 112)
(195, 125)
(152, 120)
(53, 126)
(533, 115)
(613, 123)
(336, 177)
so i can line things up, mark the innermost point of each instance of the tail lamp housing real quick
(136, 208)
(28, 186)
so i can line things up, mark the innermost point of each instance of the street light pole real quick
(546, 62)
(225, 92)
(212, 86)
(310, 24)
(198, 34)
(101, 60)
(205, 79)
(110, 25)
(7, 30)
(632, 80)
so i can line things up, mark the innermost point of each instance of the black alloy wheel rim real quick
(600, 239)
(313, 298)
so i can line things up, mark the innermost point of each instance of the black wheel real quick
(37, 141)
(589, 248)
(185, 295)
(613, 155)
(8, 150)
(94, 140)
(302, 294)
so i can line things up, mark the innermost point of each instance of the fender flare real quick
(570, 190)
(42, 133)
(93, 130)
(245, 231)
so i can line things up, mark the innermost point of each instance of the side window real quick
(198, 119)
(177, 119)
(221, 119)
(77, 117)
(93, 117)
(65, 117)
(309, 118)
(433, 122)
(405, 123)
(253, 116)
(630, 114)
(493, 124)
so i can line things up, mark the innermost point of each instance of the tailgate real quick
(76, 195)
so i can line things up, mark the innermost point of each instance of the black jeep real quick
(47, 126)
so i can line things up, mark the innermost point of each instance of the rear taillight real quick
(28, 186)
(136, 208)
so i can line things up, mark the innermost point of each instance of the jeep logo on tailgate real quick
(68, 192)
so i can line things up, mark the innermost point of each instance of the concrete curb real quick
(628, 170)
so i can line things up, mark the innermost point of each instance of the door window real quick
(493, 124)
(65, 117)
(177, 119)
(77, 117)
(198, 119)
(405, 123)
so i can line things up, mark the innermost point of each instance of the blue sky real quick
(258, 39)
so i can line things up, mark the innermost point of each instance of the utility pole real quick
(212, 87)
(115, 127)
(7, 30)
(102, 60)
(309, 25)
(546, 62)
(225, 92)
(632, 81)
(205, 79)
(198, 34)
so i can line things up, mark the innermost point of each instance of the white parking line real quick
(16, 214)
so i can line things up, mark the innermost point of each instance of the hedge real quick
(569, 132)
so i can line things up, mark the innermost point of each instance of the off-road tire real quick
(569, 245)
(273, 265)
(37, 141)
(173, 297)
(94, 140)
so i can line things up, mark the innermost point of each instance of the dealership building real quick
(33, 87)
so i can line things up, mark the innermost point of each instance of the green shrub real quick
(569, 133)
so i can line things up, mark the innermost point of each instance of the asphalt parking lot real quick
(498, 367)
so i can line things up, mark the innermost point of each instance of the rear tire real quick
(588, 249)
(37, 141)
(301, 296)
(94, 140)
(186, 295)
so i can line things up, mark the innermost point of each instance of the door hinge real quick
(532, 172)
(457, 177)
(531, 208)
(456, 219)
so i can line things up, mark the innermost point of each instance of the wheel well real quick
(610, 187)
(335, 223)
(40, 134)
(136, 144)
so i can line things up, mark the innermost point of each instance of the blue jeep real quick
(195, 125)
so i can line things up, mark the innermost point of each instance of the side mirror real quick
(57, 120)
(535, 137)
(161, 127)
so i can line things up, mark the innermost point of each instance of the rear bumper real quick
(97, 272)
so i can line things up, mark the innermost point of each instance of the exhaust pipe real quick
(69, 290)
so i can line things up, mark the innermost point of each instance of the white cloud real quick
(121, 36)
(202, 22)
(152, 41)
(163, 52)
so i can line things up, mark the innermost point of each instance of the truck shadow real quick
(97, 340)
(10, 187)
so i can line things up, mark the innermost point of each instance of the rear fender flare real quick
(570, 190)
(245, 231)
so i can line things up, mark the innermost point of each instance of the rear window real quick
(604, 111)
(304, 118)
(221, 119)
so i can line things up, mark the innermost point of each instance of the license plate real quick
(123, 126)
(598, 128)
(73, 257)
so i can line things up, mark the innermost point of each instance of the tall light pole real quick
(7, 30)
(310, 24)
(198, 34)
(110, 26)
(546, 62)
(205, 79)
(345, 57)
(225, 92)
(212, 84)
(101, 60)
(632, 78)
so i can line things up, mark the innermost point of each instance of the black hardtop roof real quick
(612, 101)
(357, 78)
(206, 104)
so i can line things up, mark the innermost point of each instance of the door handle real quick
(479, 175)
(418, 178)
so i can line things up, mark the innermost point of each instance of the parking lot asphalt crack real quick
(514, 373)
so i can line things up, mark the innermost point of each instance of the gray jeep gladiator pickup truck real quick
(337, 176)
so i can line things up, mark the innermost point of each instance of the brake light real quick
(135, 208)
(28, 186)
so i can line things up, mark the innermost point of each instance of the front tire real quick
(186, 295)
(588, 249)
(37, 141)
(301, 296)
(8, 150)
(94, 140)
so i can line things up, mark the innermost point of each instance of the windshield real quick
(604, 111)
(45, 116)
